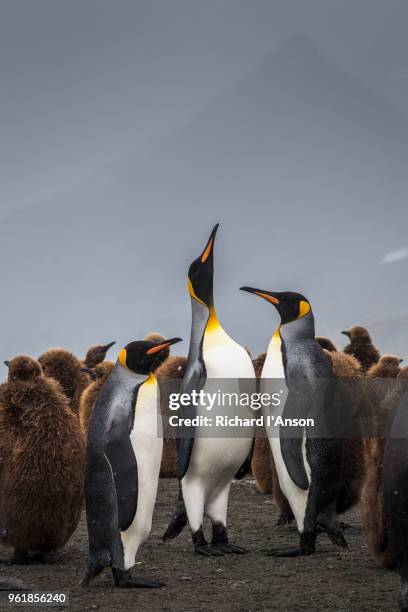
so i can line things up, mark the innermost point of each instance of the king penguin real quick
(309, 468)
(123, 462)
(207, 464)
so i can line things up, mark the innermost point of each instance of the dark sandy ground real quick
(329, 580)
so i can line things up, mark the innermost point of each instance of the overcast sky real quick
(128, 128)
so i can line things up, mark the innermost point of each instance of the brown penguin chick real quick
(385, 405)
(90, 394)
(361, 347)
(67, 369)
(258, 364)
(262, 465)
(42, 457)
(96, 354)
(262, 457)
(156, 337)
(388, 366)
(169, 375)
(347, 368)
(326, 343)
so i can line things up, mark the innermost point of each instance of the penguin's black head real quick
(143, 356)
(201, 274)
(290, 305)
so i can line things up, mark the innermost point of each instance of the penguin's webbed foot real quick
(220, 540)
(202, 547)
(49, 556)
(206, 550)
(334, 530)
(338, 539)
(123, 579)
(227, 548)
(294, 551)
(307, 546)
(22, 557)
(284, 519)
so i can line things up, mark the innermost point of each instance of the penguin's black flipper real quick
(291, 449)
(194, 380)
(246, 466)
(291, 439)
(119, 452)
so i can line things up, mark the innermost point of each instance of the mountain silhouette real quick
(303, 166)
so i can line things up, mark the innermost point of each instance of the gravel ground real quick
(329, 580)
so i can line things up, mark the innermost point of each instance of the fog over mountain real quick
(301, 162)
(303, 167)
(383, 65)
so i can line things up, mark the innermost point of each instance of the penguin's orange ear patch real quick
(304, 308)
(157, 348)
(268, 297)
(122, 357)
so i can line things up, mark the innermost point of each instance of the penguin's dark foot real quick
(227, 548)
(91, 573)
(49, 556)
(22, 557)
(220, 541)
(124, 580)
(338, 539)
(307, 547)
(12, 584)
(208, 551)
(284, 519)
(344, 526)
(286, 552)
(335, 532)
(201, 547)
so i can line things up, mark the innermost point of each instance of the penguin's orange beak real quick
(210, 245)
(266, 295)
(162, 346)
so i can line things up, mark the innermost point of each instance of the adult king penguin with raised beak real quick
(308, 467)
(208, 463)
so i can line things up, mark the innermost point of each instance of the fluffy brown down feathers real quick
(42, 457)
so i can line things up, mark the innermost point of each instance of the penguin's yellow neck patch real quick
(276, 335)
(213, 323)
(151, 380)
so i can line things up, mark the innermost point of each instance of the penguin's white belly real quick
(273, 380)
(147, 442)
(215, 459)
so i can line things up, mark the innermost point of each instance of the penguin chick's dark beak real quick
(6, 363)
(162, 346)
(266, 295)
(210, 245)
(346, 333)
(108, 346)
(400, 361)
(89, 371)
